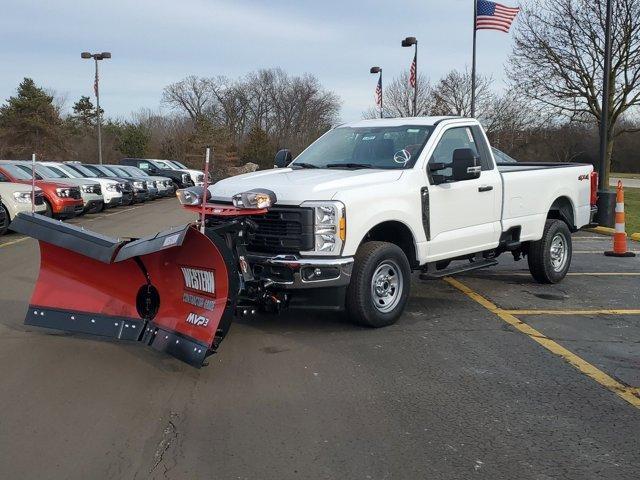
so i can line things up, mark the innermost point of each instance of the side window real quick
(485, 154)
(144, 166)
(453, 139)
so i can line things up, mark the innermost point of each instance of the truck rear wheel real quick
(380, 284)
(550, 257)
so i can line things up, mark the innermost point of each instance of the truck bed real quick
(529, 190)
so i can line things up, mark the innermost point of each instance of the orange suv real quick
(62, 200)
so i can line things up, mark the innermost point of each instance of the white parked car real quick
(370, 201)
(111, 189)
(16, 198)
(197, 176)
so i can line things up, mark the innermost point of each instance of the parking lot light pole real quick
(96, 57)
(379, 87)
(407, 42)
(606, 198)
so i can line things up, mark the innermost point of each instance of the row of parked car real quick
(64, 190)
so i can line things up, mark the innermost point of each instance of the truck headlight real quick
(186, 178)
(22, 197)
(139, 185)
(112, 187)
(258, 198)
(63, 192)
(330, 227)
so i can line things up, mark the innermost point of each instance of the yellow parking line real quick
(573, 312)
(14, 242)
(629, 394)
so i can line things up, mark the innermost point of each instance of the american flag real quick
(494, 16)
(95, 84)
(379, 93)
(412, 72)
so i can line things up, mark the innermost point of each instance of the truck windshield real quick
(163, 164)
(85, 172)
(71, 173)
(366, 147)
(135, 171)
(178, 164)
(120, 172)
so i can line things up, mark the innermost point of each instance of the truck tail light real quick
(594, 188)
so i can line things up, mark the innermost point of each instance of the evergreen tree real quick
(85, 114)
(30, 122)
(131, 140)
(258, 148)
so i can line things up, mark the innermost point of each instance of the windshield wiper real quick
(349, 165)
(304, 165)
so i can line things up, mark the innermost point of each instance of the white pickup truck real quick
(369, 202)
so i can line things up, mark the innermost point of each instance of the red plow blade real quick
(174, 291)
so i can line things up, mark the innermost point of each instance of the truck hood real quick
(294, 186)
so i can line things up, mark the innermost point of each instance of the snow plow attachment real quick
(174, 291)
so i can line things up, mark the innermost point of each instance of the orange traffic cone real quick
(620, 236)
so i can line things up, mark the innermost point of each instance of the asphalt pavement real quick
(456, 389)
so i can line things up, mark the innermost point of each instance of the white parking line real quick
(2, 245)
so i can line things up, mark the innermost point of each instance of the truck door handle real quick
(485, 188)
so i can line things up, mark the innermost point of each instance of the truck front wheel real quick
(550, 257)
(380, 284)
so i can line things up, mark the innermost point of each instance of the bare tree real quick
(452, 94)
(558, 59)
(398, 98)
(192, 95)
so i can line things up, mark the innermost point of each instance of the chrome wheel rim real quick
(386, 286)
(558, 252)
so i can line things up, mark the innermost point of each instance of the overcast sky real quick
(156, 42)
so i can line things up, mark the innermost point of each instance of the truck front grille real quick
(283, 230)
(75, 193)
(39, 198)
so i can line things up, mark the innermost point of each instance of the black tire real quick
(382, 260)
(49, 211)
(550, 257)
(4, 224)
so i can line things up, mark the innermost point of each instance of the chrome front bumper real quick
(293, 273)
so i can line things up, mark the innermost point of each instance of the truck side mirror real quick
(283, 158)
(465, 165)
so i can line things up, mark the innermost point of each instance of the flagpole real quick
(415, 87)
(381, 116)
(99, 119)
(473, 63)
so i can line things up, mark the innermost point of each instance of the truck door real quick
(464, 216)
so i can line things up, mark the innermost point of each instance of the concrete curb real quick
(611, 231)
